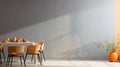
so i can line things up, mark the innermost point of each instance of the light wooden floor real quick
(69, 63)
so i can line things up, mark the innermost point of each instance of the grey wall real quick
(68, 27)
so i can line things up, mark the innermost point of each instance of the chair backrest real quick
(32, 49)
(19, 49)
(41, 45)
(11, 49)
(16, 49)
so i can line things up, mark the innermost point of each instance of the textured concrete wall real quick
(68, 27)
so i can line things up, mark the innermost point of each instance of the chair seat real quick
(32, 52)
(16, 54)
(40, 51)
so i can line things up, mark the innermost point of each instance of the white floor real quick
(69, 63)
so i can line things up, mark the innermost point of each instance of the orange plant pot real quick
(113, 57)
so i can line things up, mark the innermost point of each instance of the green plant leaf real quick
(109, 45)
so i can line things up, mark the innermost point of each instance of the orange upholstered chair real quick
(33, 50)
(41, 50)
(15, 51)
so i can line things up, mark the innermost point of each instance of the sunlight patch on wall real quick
(117, 21)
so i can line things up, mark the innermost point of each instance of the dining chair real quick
(1, 53)
(15, 51)
(34, 50)
(41, 50)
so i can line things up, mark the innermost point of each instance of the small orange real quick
(25, 40)
(18, 40)
(5, 41)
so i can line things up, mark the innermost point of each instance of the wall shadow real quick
(18, 14)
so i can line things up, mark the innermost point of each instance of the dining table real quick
(7, 44)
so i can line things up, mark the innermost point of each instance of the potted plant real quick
(111, 47)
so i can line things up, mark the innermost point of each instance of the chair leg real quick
(3, 56)
(7, 61)
(25, 58)
(32, 58)
(0, 59)
(43, 55)
(40, 59)
(21, 60)
(24, 61)
(11, 61)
